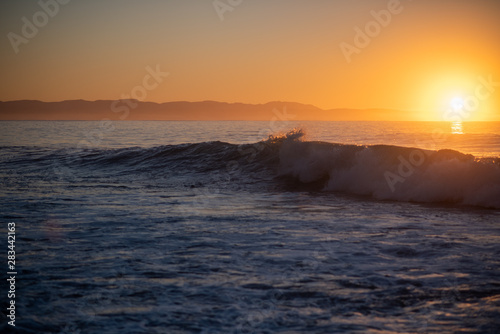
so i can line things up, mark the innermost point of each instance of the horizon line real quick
(215, 101)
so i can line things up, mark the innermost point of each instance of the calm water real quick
(211, 227)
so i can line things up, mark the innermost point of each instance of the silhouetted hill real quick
(182, 110)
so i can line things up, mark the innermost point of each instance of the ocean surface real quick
(252, 227)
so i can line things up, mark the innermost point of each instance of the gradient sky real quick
(262, 50)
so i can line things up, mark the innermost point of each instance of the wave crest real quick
(394, 173)
(285, 161)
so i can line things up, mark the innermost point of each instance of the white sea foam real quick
(394, 173)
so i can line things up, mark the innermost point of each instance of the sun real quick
(457, 103)
(456, 109)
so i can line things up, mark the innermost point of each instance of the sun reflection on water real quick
(457, 128)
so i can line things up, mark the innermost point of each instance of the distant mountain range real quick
(205, 110)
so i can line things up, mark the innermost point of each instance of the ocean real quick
(252, 227)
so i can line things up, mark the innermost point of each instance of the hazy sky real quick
(254, 51)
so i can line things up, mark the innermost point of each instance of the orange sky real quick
(418, 59)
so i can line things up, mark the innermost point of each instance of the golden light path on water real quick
(457, 128)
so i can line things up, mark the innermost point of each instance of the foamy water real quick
(211, 227)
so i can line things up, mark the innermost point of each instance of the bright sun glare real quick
(457, 103)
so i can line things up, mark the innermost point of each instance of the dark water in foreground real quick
(279, 236)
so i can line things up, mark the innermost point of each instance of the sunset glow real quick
(400, 55)
(250, 166)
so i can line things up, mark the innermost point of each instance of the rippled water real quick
(136, 232)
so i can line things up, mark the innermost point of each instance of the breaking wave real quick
(394, 173)
(289, 162)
